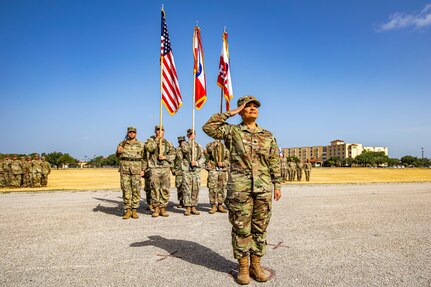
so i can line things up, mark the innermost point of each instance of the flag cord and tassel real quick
(161, 99)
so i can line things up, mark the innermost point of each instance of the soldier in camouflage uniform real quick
(46, 170)
(147, 182)
(2, 177)
(26, 172)
(283, 165)
(292, 168)
(299, 167)
(161, 158)
(6, 170)
(36, 171)
(193, 160)
(217, 166)
(132, 166)
(176, 170)
(16, 172)
(307, 170)
(254, 172)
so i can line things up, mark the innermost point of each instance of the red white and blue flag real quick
(199, 69)
(224, 80)
(171, 95)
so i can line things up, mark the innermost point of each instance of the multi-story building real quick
(337, 148)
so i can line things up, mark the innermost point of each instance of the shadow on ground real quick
(189, 251)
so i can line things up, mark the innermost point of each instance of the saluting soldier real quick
(26, 175)
(177, 171)
(307, 170)
(254, 173)
(46, 170)
(217, 166)
(161, 154)
(132, 166)
(193, 160)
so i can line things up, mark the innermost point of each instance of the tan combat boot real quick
(163, 212)
(187, 212)
(156, 212)
(127, 214)
(134, 214)
(194, 211)
(213, 209)
(221, 209)
(256, 271)
(243, 277)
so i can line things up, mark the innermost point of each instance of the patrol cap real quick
(156, 128)
(181, 139)
(190, 131)
(131, 129)
(247, 99)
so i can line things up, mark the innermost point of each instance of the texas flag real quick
(199, 69)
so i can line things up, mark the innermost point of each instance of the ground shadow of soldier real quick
(191, 252)
(113, 210)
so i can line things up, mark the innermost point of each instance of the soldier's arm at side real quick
(274, 169)
(170, 156)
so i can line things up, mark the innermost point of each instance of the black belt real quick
(130, 159)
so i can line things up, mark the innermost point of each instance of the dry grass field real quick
(108, 178)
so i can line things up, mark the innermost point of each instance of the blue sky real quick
(75, 74)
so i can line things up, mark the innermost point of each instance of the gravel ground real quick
(319, 235)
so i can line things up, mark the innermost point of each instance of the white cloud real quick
(401, 20)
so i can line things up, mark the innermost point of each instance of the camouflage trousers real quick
(26, 180)
(36, 177)
(147, 186)
(178, 184)
(249, 214)
(307, 174)
(216, 183)
(292, 175)
(299, 174)
(2, 180)
(190, 187)
(160, 184)
(44, 180)
(15, 180)
(284, 173)
(131, 187)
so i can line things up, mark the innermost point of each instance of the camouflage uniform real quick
(160, 170)
(16, 172)
(132, 163)
(191, 175)
(299, 167)
(26, 173)
(176, 170)
(254, 171)
(292, 169)
(2, 175)
(307, 171)
(46, 170)
(217, 175)
(147, 181)
(6, 171)
(36, 171)
(283, 165)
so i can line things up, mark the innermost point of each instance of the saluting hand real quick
(237, 110)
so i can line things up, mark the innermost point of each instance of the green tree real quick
(408, 160)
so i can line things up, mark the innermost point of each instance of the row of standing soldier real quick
(26, 172)
(291, 169)
(157, 158)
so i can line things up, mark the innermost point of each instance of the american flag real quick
(171, 95)
(224, 80)
(199, 69)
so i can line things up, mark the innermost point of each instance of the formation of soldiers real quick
(24, 172)
(291, 170)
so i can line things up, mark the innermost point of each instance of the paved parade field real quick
(319, 235)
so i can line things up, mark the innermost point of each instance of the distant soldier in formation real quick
(307, 170)
(193, 160)
(2, 173)
(292, 169)
(132, 166)
(6, 170)
(299, 167)
(46, 170)
(283, 165)
(147, 178)
(161, 158)
(217, 166)
(16, 172)
(26, 172)
(177, 172)
(36, 170)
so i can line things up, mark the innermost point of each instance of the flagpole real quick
(194, 93)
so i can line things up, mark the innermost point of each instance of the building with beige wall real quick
(337, 148)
